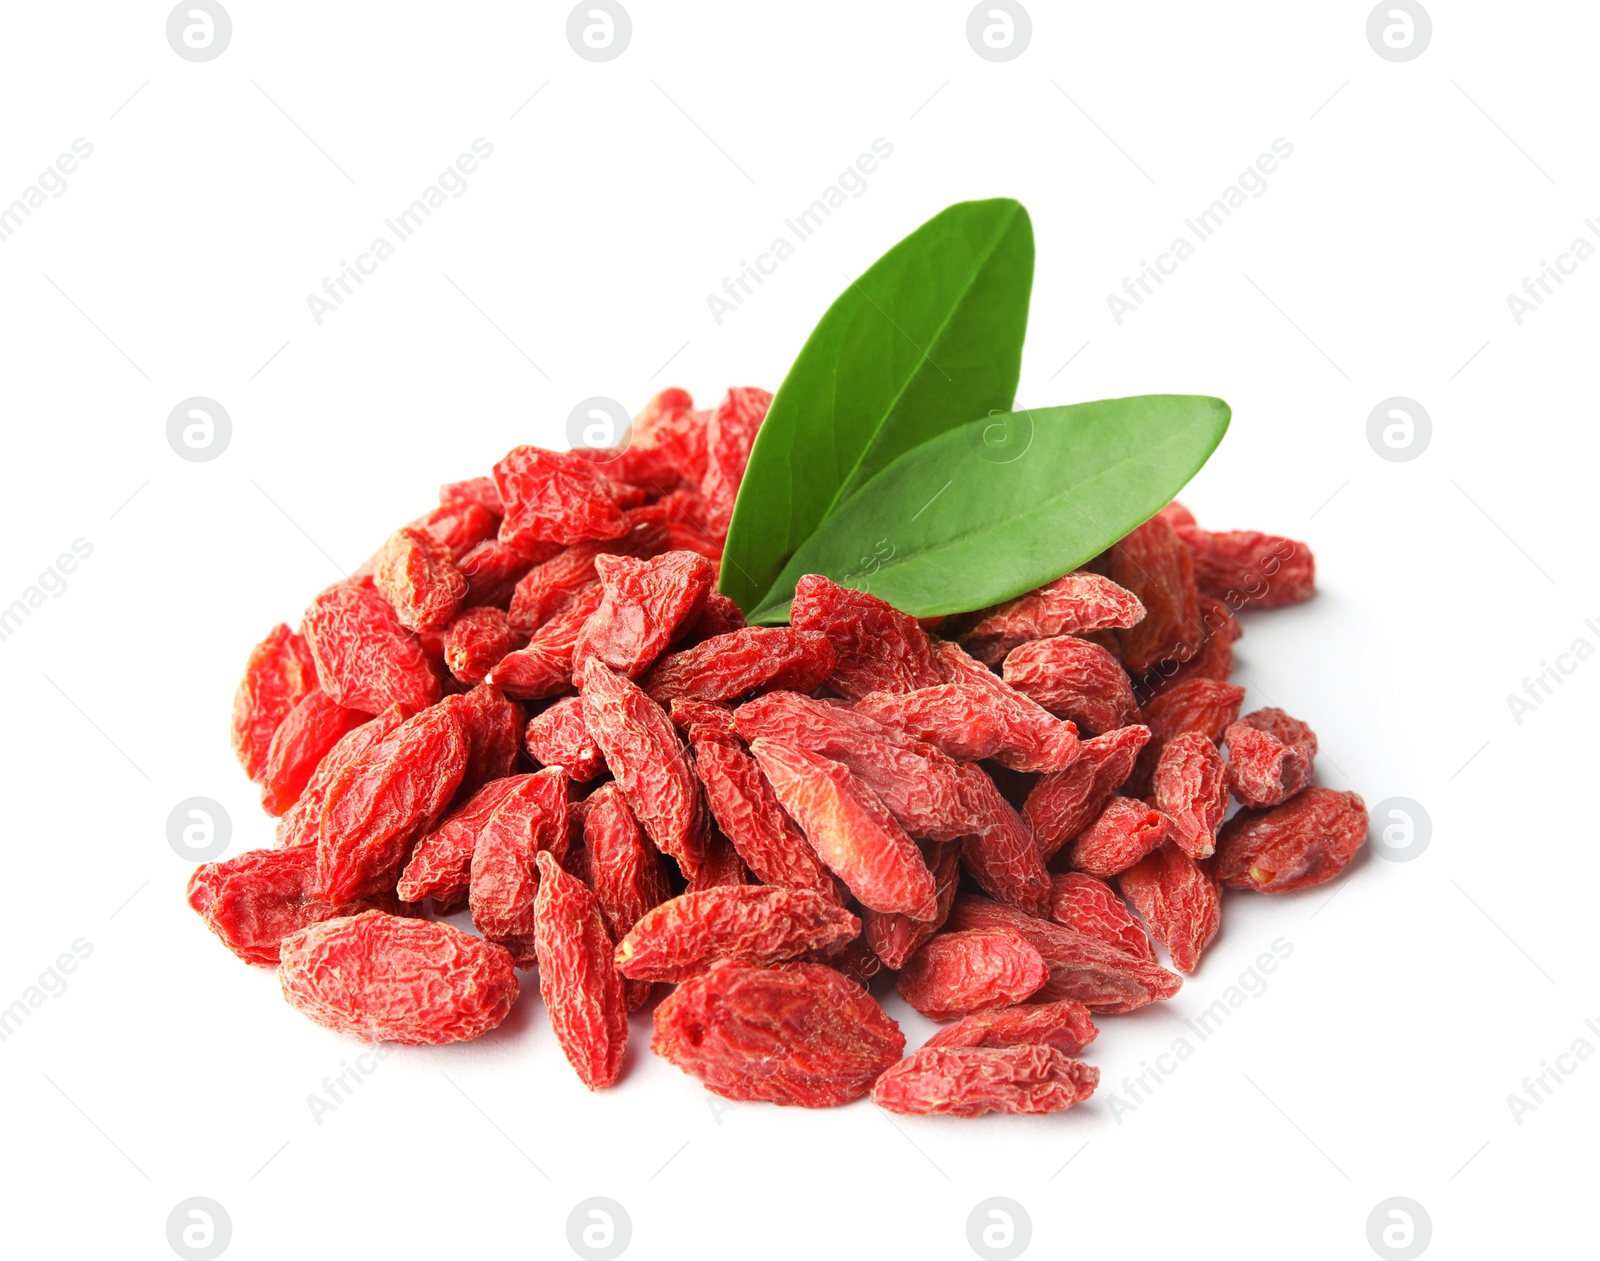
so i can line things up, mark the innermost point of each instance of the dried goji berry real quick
(741, 662)
(1071, 605)
(718, 616)
(1075, 680)
(440, 865)
(388, 979)
(1246, 567)
(851, 830)
(625, 871)
(543, 667)
(730, 432)
(365, 659)
(459, 525)
(559, 737)
(1176, 515)
(650, 763)
(1180, 900)
(1190, 787)
(1063, 1024)
(665, 444)
(300, 823)
(742, 803)
(477, 640)
(492, 571)
(555, 497)
(798, 1033)
(256, 899)
(969, 1081)
(1310, 838)
(998, 846)
(581, 988)
(384, 799)
(1203, 705)
(1089, 905)
(277, 677)
(1096, 974)
(894, 937)
(958, 973)
(493, 727)
(530, 819)
(643, 606)
(417, 575)
(1154, 564)
(1270, 757)
(1065, 802)
(302, 740)
(971, 722)
(750, 923)
(1124, 833)
(721, 867)
(1214, 660)
(879, 648)
(474, 490)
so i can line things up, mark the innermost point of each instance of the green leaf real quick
(1007, 503)
(929, 338)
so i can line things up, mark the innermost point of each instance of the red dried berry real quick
(643, 606)
(559, 737)
(958, 973)
(625, 871)
(969, 1081)
(1063, 1024)
(1190, 787)
(1310, 838)
(365, 659)
(527, 821)
(1124, 833)
(417, 575)
(256, 899)
(277, 677)
(543, 667)
(1203, 705)
(1270, 757)
(1065, 802)
(1180, 900)
(1246, 567)
(719, 616)
(1071, 605)
(581, 989)
(797, 1034)
(459, 526)
(1075, 680)
(301, 822)
(650, 763)
(851, 830)
(999, 848)
(972, 723)
(474, 490)
(1084, 968)
(477, 640)
(880, 649)
(1154, 564)
(730, 433)
(492, 571)
(750, 923)
(305, 736)
(555, 497)
(381, 801)
(440, 866)
(493, 727)
(893, 937)
(387, 979)
(1089, 905)
(741, 662)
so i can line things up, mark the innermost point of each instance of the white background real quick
(1418, 995)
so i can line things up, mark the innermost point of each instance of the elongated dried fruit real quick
(1180, 900)
(880, 649)
(305, 736)
(416, 573)
(968, 722)
(492, 571)
(476, 641)
(581, 989)
(625, 871)
(749, 923)
(365, 658)
(1190, 787)
(1089, 905)
(1124, 833)
(1245, 567)
(1270, 757)
(893, 937)
(279, 674)
(1065, 802)
(493, 728)
(555, 497)
(543, 666)
(559, 737)
(440, 865)
(644, 604)
(650, 763)
(387, 979)
(1100, 976)
(256, 899)
(798, 1034)
(969, 1081)
(1154, 564)
(1064, 1024)
(1071, 605)
(300, 824)
(525, 822)
(958, 973)
(730, 432)
(999, 848)
(1076, 680)
(743, 661)
(383, 800)
(851, 830)
(1310, 838)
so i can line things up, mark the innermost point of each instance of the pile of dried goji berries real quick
(533, 704)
